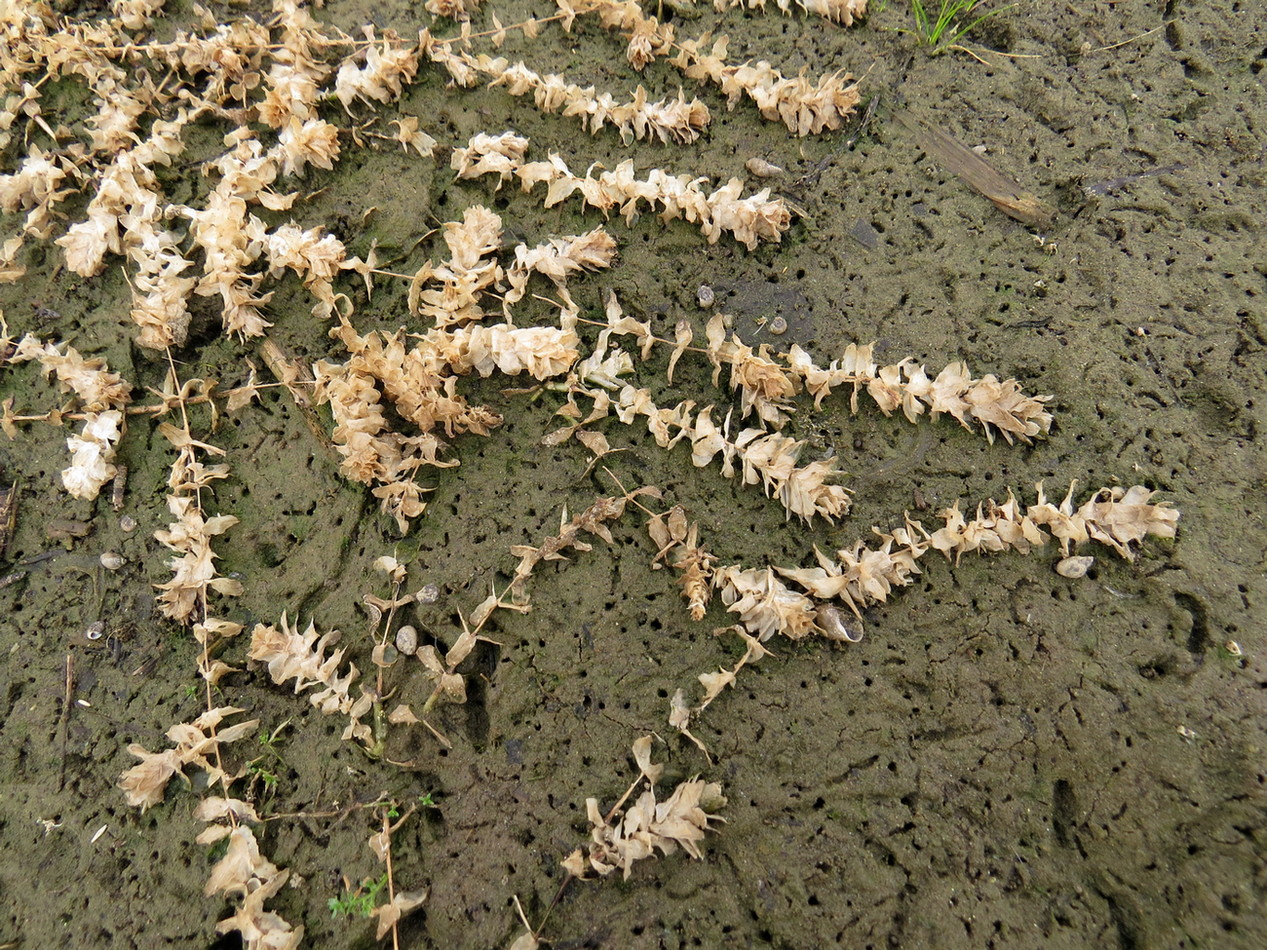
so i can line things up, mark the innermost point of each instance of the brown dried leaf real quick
(482, 612)
(596, 442)
(430, 658)
(683, 334)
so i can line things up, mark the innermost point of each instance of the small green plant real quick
(261, 767)
(269, 779)
(361, 902)
(427, 800)
(941, 27)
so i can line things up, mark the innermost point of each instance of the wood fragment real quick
(8, 514)
(65, 529)
(1003, 192)
(297, 378)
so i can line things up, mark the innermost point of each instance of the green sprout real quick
(268, 778)
(358, 903)
(941, 27)
(261, 768)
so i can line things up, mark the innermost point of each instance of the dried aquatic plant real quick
(184, 597)
(619, 839)
(806, 108)
(750, 220)
(670, 530)
(666, 120)
(101, 394)
(197, 744)
(843, 12)
(291, 655)
(862, 575)
(268, 82)
(399, 903)
(246, 874)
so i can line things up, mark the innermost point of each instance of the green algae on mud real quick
(1008, 757)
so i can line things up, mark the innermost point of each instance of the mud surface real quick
(1008, 759)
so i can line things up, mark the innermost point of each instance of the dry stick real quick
(388, 831)
(380, 730)
(387, 857)
(63, 724)
(202, 592)
(339, 813)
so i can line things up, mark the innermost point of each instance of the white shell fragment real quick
(112, 560)
(407, 640)
(1075, 566)
(761, 168)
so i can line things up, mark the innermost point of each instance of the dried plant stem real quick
(765, 386)
(388, 828)
(750, 220)
(805, 108)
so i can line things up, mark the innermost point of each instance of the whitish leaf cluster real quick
(617, 839)
(244, 873)
(101, 394)
(843, 12)
(291, 655)
(749, 220)
(805, 107)
(196, 744)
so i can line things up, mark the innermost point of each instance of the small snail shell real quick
(777, 326)
(95, 630)
(112, 561)
(127, 524)
(705, 296)
(761, 168)
(407, 640)
(836, 626)
(1075, 566)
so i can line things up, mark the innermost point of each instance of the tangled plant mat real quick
(415, 515)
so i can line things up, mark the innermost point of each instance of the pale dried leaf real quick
(642, 755)
(402, 715)
(389, 914)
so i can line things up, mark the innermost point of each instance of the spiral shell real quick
(837, 626)
(1075, 566)
(761, 168)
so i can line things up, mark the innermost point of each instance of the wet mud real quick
(1009, 758)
